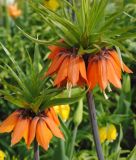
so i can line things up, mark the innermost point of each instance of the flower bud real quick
(127, 84)
(78, 116)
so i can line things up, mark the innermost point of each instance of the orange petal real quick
(102, 74)
(53, 127)
(117, 68)
(32, 132)
(112, 76)
(126, 69)
(92, 74)
(116, 58)
(26, 132)
(55, 64)
(43, 134)
(73, 70)
(123, 66)
(55, 50)
(54, 116)
(82, 69)
(63, 72)
(19, 130)
(9, 123)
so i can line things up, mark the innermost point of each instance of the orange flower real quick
(25, 124)
(14, 11)
(105, 68)
(69, 68)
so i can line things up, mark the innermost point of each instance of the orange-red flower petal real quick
(19, 129)
(63, 72)
(27, 131)
(43, 134)
(9, 124)
(53, 127)
(73, 70)
(32, 130)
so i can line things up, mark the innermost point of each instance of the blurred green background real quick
(119, 109)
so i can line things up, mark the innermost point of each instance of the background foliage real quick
(119, 110)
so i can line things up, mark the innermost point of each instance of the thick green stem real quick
(36, 150)
(92, 113)
(73, 142)
(62, 147)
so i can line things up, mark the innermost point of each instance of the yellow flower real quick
(2, 155)
(63, 111)
(108, 133)
(52, 4)
(103, 134)
(111, 132)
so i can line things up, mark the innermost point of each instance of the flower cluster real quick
(25, 124)
(99, 69)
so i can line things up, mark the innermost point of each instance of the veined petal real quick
(19, 130)
(102, 76)
(8, 124)
(123, 66)
(112, 76)
(126, 69)
(43, 134)
(54, 116)
(57, 61)
(116, 58)
(63, 72)
(26, 132)
(82, 68)
(53, 127)
(92, 74)
(116, 67)
(54, 51)
(73, 70)
(32, 132)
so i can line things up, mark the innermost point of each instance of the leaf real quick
(19, 70)
(51, 42)
(59, 101)
(36, 59)
(64, 128)
(132, 155)
(16, 101)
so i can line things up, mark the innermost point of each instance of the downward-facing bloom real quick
(52, 4)
(68, 67)
(105, 68)
(25, 124)
(108, 133)
(14, 11)
(63, 111)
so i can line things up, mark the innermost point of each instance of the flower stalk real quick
(92, 113)
(36, 150)
(73, 142)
